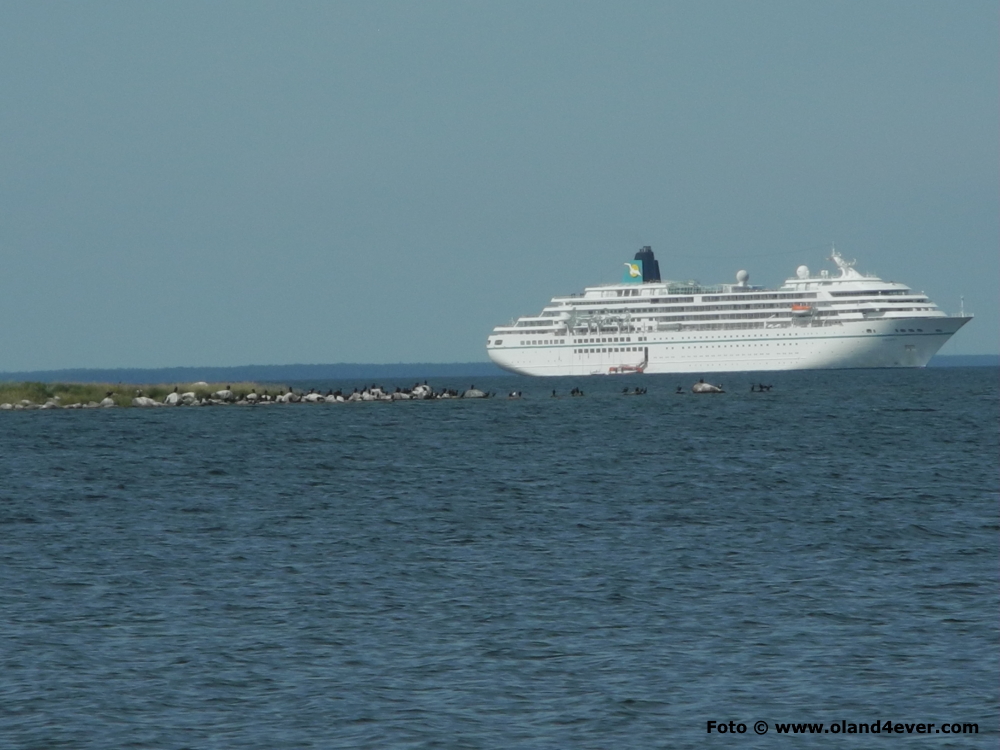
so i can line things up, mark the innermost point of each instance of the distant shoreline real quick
(259, 373)
(965, 360)
(349, 371)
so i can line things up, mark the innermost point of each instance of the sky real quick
(232, 183)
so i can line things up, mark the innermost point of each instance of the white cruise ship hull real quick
(889, 342)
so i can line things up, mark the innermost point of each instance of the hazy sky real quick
(215, 183)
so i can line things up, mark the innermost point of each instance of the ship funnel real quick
(650, 266)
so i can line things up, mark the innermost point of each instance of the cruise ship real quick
(842, 319)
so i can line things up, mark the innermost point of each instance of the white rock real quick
(107, 402)
(701, 387)
(422, 391)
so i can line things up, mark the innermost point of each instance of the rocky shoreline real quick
(201, 394)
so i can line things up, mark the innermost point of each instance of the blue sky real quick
(270, 183)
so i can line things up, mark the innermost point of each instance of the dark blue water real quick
(600, 572)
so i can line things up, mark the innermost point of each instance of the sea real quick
(652, 570)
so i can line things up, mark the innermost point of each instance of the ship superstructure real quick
(644, 324)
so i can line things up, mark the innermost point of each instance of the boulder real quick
(702, 387)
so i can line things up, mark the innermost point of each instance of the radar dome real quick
(802, 272)
(742, 277)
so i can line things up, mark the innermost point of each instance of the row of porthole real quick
(600, 350)
(609, 340)
(606, 340)
(727, 346)
(691, 346)
(546, 342)
(553, 342)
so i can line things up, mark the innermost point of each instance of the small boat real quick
(625, 369)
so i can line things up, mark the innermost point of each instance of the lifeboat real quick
(800, 309)
(639, 368)
(622, 369)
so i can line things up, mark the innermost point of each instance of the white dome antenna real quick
(802, 272)
(742, 277)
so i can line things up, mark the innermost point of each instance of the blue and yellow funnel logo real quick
(633, 272)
